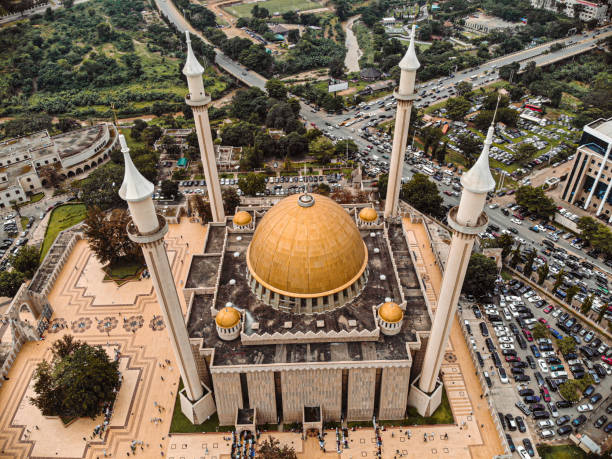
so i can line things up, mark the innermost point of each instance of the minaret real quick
(199, 101)
(147, 229)
(405, 95)
(467, 220)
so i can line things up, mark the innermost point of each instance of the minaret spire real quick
(192, 66)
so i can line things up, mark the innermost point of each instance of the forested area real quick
(12, 6)
(84, 59)
(587, 78)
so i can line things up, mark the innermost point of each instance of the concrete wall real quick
(228, 396)
(361, 393)
(262, 396)
(312, 388)
(394, 388)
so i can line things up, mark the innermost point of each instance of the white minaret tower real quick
(405, 95)
(467, 220)
(199, 101)
(147, 228)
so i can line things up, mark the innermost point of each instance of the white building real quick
(587, 10)
(73, 153)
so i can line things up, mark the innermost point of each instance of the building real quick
(590, 179)
(72, 153)
(307, 305)
(484, 23)
(587, 11)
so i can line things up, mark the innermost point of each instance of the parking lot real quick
(501, 334)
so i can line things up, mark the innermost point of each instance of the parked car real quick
(565, 430)
(579, 420)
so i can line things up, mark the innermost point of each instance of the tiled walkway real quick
(124, 318)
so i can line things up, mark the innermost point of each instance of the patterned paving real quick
(124, 318)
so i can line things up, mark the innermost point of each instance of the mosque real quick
(307, 311)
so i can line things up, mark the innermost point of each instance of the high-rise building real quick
(589, 181)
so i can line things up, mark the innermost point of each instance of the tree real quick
(516, 257)
(457, 108)
(336, 68)
(543, 273)
(540, 331)
(588, 227)
(525, 152)
(570, 391)
(463, 88)
(480, 275)
(150, 134)
(252, 183)
(169, 188)
(558, 280)
(470, 146)
(26, 260)
(322, 149)
(383, 181)
(101, 187)
(10, 281)
(344, 146)
(567, 345)
(587, 304)
(535, 200)
(80, 381)
(201, 207)
(50, 175)
(231, 200)
(276, 89)
(571, 293)
(528, 268)
(107, 236)
(271, 449)
(423, 195)
(431, 136)
(602, 313)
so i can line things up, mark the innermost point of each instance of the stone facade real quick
(228, 396)
(311, 388)
(262, 395)
(394, 392)
(361, 393)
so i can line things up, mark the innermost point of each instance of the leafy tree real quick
(543, 273)
(238, 134)
(587, 304)
(169, 188)
(252, 183)
(322, 149)
(558, 280)
(516, 257)
(201, 207)
(276, 89)
(26, 260)
(431, 136)
(503, 241)
(571, 293)
(383, 181)
(271, 449)
(457, 108)
(151, 134)
(535, 200)
(344, 146)
(567, 345)
(480, 275)
(525, 152)
(540, 331)
(79, 381)
(101, 187)
(588, 227)
(336, 68)
(463, 88)
(470, 146)
(602, 313)
(231, 200)
(107, 236)
(528, 268)
(596, 234)
(422, 194)
(569, 390)
(10, 281)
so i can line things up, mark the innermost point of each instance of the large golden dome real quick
(307, 246)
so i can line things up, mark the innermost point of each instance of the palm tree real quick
(543, 273)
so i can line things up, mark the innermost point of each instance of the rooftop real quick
(602, 125)
(263, 320)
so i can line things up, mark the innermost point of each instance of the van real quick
(541, 414)
(558, 374)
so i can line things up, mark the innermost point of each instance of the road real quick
(33, 11)
(353, 53)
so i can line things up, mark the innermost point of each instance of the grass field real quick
(180, 423)
(61, 218)
(243, 10)
(561, 452)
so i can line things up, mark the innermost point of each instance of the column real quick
(597, 177)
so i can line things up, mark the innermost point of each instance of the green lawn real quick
(273, 6)
(180, 423)
(130, 141)
(443, 415)
(562, 452)
(365, 41)
(24, 222)
(62, 217)
(123, 269)
(34, 198)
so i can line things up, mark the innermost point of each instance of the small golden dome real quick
(307, 246)
(227, 317)
(391, 313)
(368, 214)
(242, 218)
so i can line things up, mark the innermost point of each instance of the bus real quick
(427, 170)
(534, 108)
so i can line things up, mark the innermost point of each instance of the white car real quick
(547, 433)
(507, 346)
(556, 313)
(543, 365)
(585, 408)
(522, 452)
(516, 221)
(534, 298)
(506, 339)
(545, 423)
(493, 206)
(553, 409)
